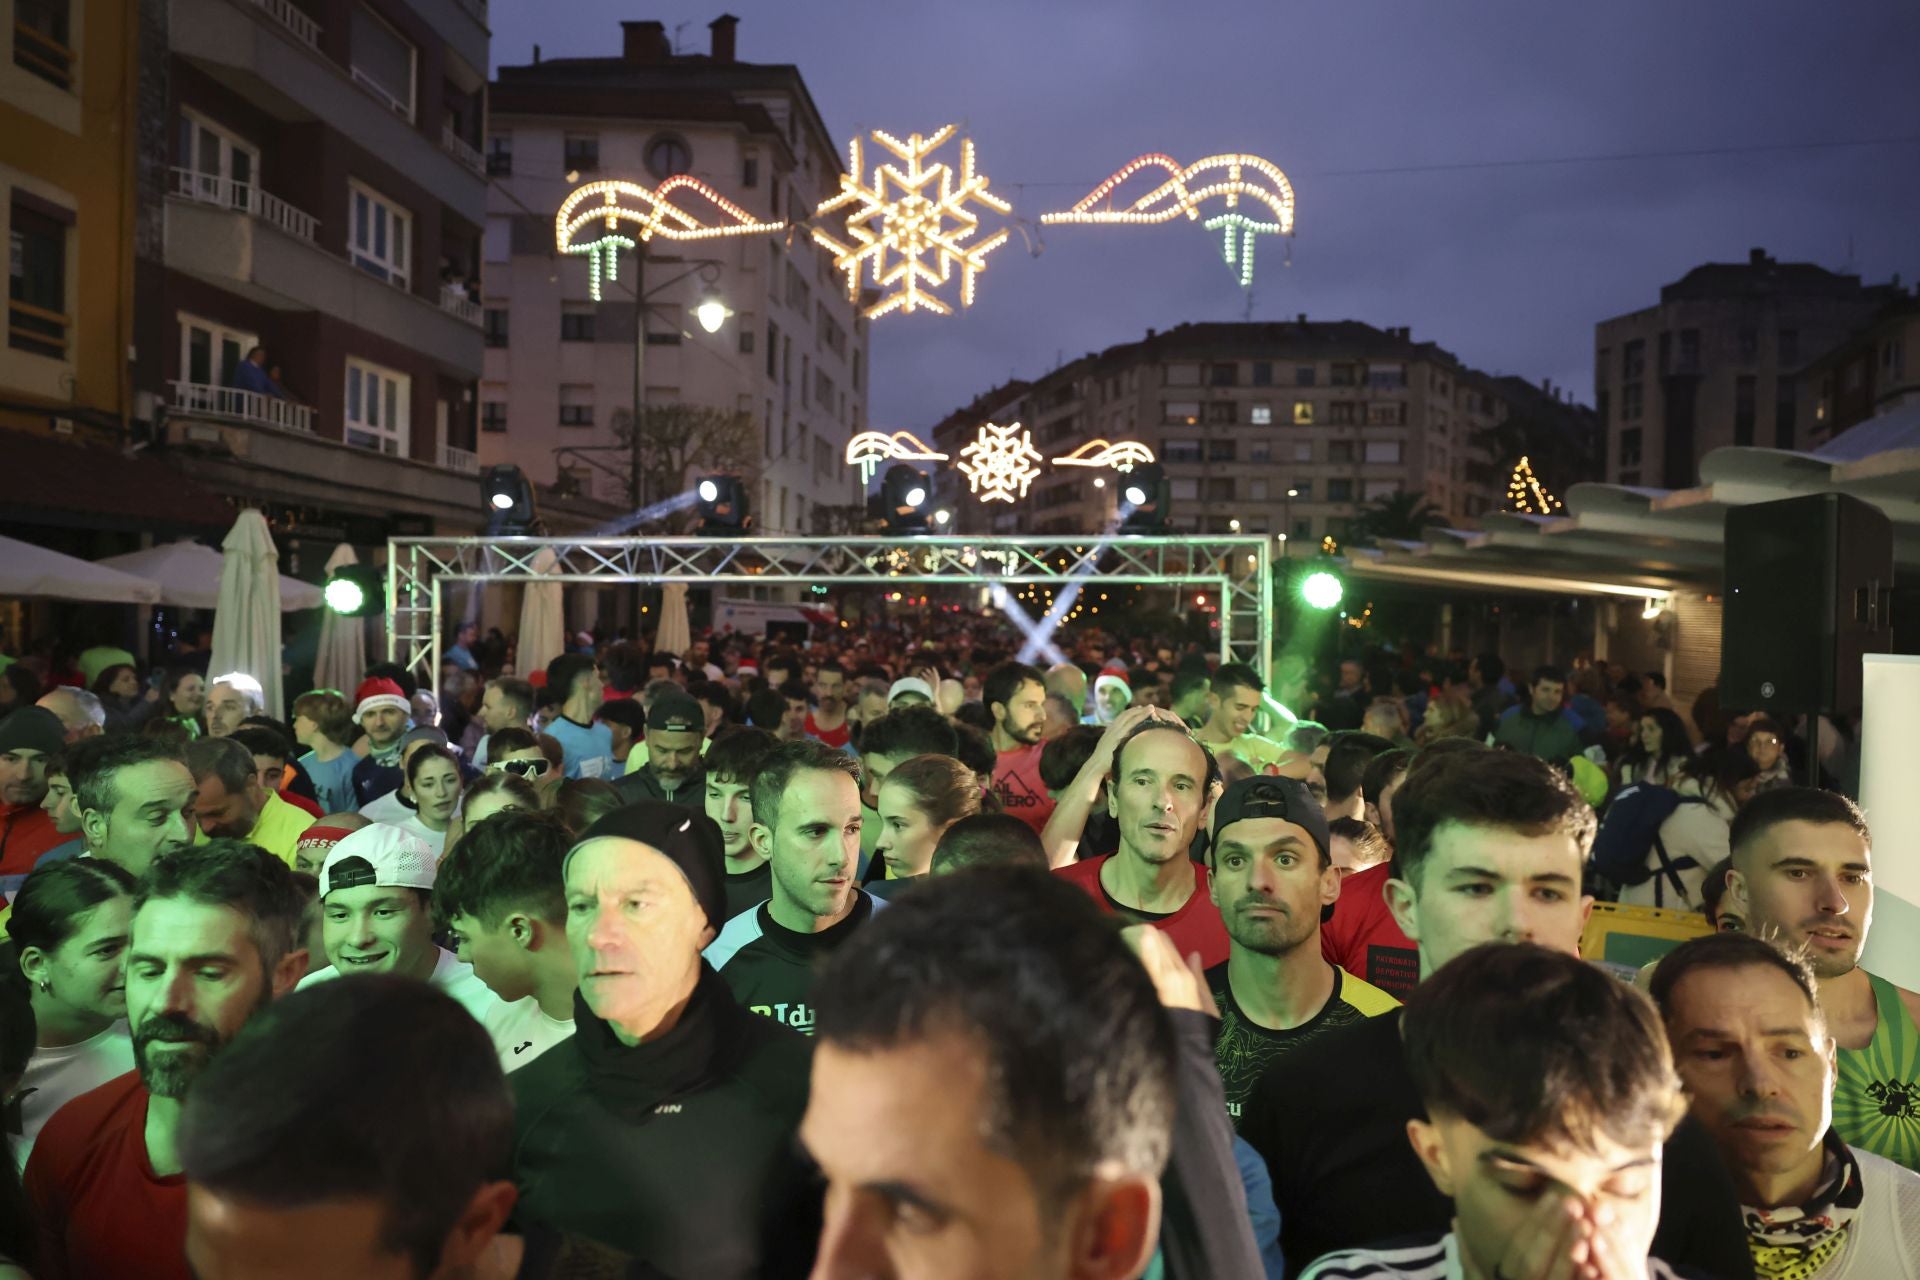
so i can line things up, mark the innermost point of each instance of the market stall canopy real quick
(27, 570)
(188, 575)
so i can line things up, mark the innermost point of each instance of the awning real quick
(35, 572)
(50, 481)
(188, 574)
(1628, 540)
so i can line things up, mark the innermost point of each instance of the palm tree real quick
(1399, 515)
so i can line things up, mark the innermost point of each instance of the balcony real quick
(463, 151)
(203, 400)
(455, 302)
(460, 461)
(225, 193)
(380, 95)
(298, 24)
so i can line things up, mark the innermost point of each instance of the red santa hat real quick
(378, 692)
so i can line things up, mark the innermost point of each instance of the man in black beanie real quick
(673, 771)
(664, 1128)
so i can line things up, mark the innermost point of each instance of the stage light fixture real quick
(723, 505)
(509, 501)
(1322, 589)
(903, 498)
(1146, 497)
(354, 590)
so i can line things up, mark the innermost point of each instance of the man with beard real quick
(1803, 873)
(827, 722)
(806, 823)
(1754, 1055)
(1015, 695)
(230, 802)
(214, 938)
(672, 771)
(27, 737)
(1159, 791)
(735, 757)
(380, 708)
(135, 798)
(1272, 875)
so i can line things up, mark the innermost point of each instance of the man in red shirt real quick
(1016, 696)
(1162, 785)
(27, 737)
(827, 722)
(215, 936)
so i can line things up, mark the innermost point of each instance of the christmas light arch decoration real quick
(1230, 178)
(589, 221)
(1001, 462)
(871, 448)
(1121, 455)
(1527, 494)
(912, 224)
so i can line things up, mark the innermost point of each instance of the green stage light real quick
(345, 596)
(353, 590)
(1322, 590)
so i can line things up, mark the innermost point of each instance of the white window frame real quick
(230, 142)
(366, 80)
(392, 438)
(216, 334)
(396, 268)
(1260, 414)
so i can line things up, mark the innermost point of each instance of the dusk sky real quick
(1394, 120)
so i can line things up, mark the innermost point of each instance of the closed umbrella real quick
(342, 661)
(675, 633)
(188, 575)
(30, 571)
(246, 618)
(542, 619)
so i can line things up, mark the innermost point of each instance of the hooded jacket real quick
(679, 1151)
(644, 784)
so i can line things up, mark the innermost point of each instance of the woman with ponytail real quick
(69, 929)
(920, 799)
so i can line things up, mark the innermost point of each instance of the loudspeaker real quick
(1809, 587)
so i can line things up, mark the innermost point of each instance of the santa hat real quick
(378, 692)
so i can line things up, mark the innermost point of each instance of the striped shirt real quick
(1432, 1258)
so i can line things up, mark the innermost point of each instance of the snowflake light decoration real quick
(912, 224)
(1000, 463)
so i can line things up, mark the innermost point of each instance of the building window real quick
(382, 61)
(220, 167)
(493, 416)
(1260, 415)
(210, 352)
(377, 235)
(1183, 375)
(750, 171)
(581, 153)
(1893, 363)
(378, 408)
(1260, 451)
(1630, 402)
(1219, 489)
(499, 155)
(773, 350)
(747, 335)
(1219, 450)
(1688, 359)
(1263, 373)
(494, 325)
(1303, 375)
(37, 319)
(1342, 375)
(1302, 491)
(1223, 375)
(1181, 451)
(1387, 377)
(576, 405)
(1303, 451)
(1784, 413)
(1633, 360)
(1374, 490)
(1303, 413)
(1340, 451)
(1789, 348)
(576, 324)
(1630, 447)
(1388, 413)
(1185, 412)
(1340, 490)
(1222, 413)
(41, 31)
(667, 155)
(1749, 344)
(1743, 410)
(1383, 451)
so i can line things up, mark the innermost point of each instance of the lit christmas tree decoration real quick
(912, 225)
(1526, 494)
(589, 221)
(1001, 462)
(1184, 191)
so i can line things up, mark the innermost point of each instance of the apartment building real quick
(1717, 362)
(1292, 428)
(324, 198)
(559, 382)
(1873, 370)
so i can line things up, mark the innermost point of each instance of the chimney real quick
(724, 28)
(1757, 258)
(1150, 333)
(1303, 317)
(644, 42)
(536, 55)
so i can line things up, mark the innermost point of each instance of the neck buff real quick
(1794, 1241)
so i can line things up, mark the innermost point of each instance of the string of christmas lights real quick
(651, 213)
(1527, 494)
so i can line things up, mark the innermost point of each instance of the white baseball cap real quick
(910, 684)
(381, 854)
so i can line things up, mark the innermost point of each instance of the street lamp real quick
(1288, 535)
(711, 313)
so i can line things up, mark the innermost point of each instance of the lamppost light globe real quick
(711, 313)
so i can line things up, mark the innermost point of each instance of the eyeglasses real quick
(534, 768)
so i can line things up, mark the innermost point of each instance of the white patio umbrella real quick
(30, 571)
(342, 660)
(542, 620)
(675, 633)
(246, 618)
(188, 575)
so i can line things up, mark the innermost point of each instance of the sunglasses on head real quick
(534, 768)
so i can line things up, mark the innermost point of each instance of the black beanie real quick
(689, 839)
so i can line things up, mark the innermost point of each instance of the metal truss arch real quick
(1235, 569)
